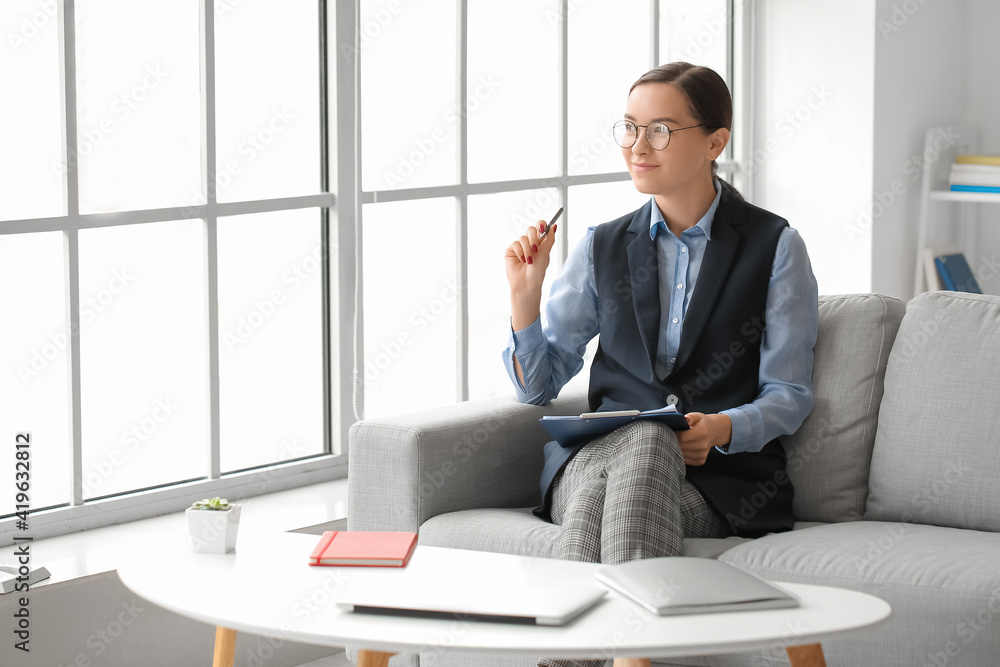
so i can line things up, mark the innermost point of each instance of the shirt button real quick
(673, 359)
(675, 320)
(671, 400)
(680, 286)
(684, 249)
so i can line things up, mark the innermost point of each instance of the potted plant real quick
(213, 523)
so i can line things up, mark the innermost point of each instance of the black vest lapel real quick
(719, 254)
(643, 273)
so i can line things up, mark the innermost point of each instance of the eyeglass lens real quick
(657, 134)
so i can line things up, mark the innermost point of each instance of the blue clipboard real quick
(572, 431)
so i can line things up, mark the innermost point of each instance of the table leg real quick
(806, 655)
(225, 647)
(368, 658)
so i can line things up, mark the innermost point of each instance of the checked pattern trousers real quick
(624, 497)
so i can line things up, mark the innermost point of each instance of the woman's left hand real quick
(705, 432)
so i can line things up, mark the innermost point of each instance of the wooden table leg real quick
(225, 647)
(807, 655)
(368, 658)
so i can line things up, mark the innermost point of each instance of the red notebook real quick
(358, 547)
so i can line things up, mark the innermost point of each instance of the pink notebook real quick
(367, 548)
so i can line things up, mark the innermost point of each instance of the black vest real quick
(718, 360)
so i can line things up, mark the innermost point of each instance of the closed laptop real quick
(682, 585)
(492, 601)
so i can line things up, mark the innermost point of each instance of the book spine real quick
(943, 272)
(978, 159)
(957, 168)
(975, 188)
(971, 174)
(982, 181)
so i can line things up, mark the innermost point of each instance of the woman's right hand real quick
(526, 260)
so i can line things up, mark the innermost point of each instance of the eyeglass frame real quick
(646, 132)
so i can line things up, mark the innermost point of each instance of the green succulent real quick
(216, 503)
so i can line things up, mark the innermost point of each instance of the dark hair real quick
(708, 99)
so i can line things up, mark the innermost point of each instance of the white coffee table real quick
(267, 588)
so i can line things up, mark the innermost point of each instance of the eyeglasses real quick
(657, 134)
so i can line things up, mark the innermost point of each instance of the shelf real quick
(981, 197)
(935, 186)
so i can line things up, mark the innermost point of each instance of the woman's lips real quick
(641, 167)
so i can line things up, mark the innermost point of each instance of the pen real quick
(551, 222)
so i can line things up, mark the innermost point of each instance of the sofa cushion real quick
(943, 585)
(828, 457)
(937, 450)
(521, 533)
(506, 531)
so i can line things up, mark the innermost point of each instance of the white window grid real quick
(332, 463)
(739, 20)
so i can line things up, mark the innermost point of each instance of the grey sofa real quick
(896, 471)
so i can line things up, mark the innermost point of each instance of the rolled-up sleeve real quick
(791, 318)
(550, 352)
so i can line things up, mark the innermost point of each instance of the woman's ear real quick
(718, 141)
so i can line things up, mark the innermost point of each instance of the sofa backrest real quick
(937, 450)
(829, 456)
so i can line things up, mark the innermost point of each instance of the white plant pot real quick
(213, 531)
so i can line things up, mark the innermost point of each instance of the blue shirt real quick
(552, 353)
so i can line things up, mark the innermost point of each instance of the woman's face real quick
(686, 159)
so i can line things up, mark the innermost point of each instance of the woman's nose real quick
(640, 146)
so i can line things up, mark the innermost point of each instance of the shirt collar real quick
(656, 221)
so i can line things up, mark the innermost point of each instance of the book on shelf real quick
(974, 174)
(964, 168)
(956, 187)
(956, 274)
(364, 548)
(979, 159)
(931, 274)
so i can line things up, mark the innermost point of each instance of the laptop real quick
(485, 601)
(687, 585)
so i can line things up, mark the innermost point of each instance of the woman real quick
(701, 300)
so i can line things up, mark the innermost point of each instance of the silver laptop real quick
(686, 585)
(537, 604)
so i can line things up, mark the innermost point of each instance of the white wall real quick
(920, 81)
(982, 109)
(813, 111)
(982, 91)
(892, 69)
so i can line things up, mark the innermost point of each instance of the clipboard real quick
(574, 430)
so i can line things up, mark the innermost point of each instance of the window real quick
(196, 313)
(471, 135)
(163, 234)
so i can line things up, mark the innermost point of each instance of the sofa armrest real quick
(405, 469)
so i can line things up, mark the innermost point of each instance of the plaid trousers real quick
(624, 497)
